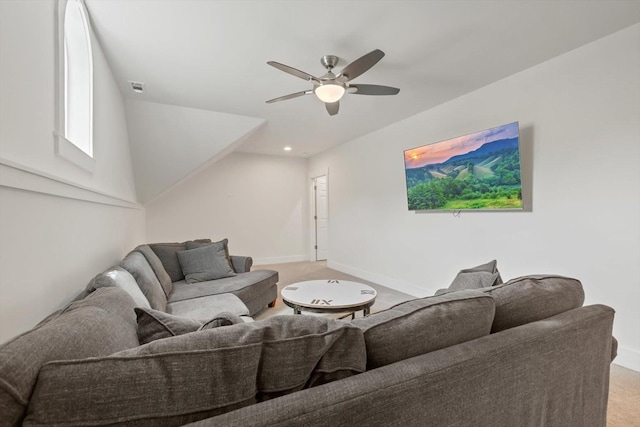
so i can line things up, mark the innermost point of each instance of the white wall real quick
(258, 202)
(59, 224)
(579, 117)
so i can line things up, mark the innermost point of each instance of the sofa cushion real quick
(157, 267)
(167, 253)
(244, 285)
(204, 308)
(120, 278)
(154, 325)
(205, 263)
(101, 324)
(195, 376)
(530, 298)
(136, 264)
(423, 325)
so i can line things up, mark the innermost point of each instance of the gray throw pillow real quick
(167, 253)
(198, 244)
(154, 325)
(477, 277)
(205, 263)
(222, 319)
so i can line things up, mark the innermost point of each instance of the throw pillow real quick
(198, 244)
(167, 252)
(222, 319)
(205, 263)
(477, 277)
(154, 325)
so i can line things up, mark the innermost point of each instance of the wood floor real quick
(624, 386)
(624, 398)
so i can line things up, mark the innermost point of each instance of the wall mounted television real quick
(479, 171)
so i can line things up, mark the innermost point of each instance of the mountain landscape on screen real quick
(479, 171)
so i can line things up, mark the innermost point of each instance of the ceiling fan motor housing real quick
(329, 61)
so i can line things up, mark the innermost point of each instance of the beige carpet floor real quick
(624, 387)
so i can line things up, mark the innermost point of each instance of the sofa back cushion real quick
(136, 264)
(423, 325)
(157, 267)
(101, 324)
(193, 376)
(530, 298)
(120, 278)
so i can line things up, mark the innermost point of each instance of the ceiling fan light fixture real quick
(329, 92)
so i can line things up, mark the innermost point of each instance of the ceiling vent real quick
(137, 87)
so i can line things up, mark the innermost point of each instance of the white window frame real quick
(63, 146)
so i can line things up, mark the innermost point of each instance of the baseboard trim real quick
(628, 358)
(389, 282)
(280, 259)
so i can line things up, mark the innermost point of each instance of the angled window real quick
(75, 84)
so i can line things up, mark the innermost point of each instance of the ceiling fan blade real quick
(374, 90)
(361, 64)
(293, 71)
(332, 107)
(290, 96)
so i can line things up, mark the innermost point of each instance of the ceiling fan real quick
(331, 87)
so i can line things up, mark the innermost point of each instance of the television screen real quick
(479, 171)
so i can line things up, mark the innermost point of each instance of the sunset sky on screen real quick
(442, 151)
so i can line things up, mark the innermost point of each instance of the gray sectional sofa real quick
(156, 270)
(525, 352)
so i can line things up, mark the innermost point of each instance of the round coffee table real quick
(329, 296)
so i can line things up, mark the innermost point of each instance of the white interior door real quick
(321, 217)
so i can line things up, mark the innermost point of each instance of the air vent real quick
(137, 87)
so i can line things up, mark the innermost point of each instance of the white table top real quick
(328, 294)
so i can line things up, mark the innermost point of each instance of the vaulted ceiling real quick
(204, 66)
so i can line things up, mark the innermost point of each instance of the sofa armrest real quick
(241, 264)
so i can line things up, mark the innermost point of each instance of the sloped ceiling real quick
(207, 58)
(168, 141)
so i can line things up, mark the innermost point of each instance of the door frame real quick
(312, 213)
